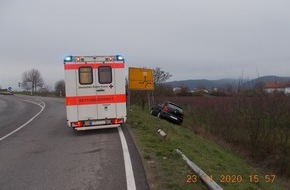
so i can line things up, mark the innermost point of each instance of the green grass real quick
(165, 169)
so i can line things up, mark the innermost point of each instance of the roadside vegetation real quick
(59, 91)
(166, 169)
(256, 127)
(229, 132)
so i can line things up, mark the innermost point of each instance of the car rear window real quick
(172, 106)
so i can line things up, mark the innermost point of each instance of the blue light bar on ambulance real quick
(71, 58)
(119, 58)
(68, 58)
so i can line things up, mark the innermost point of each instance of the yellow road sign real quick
(140, 79)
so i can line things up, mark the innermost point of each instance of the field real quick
(257, 127)
(254, 128)
(247, 136)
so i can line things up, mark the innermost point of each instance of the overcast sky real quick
(190, 39)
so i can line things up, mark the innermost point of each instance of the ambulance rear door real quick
(106, 91)
(86, 93)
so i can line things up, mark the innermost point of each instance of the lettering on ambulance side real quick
(81, 87)
(102, 86)
(104, 99)
(83, 100)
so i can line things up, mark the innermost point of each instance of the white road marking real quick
(41, 105)
(127, 160)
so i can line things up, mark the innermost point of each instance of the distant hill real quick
(209, 84)
(270, 79)
(204, 83)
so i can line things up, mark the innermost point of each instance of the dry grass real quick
(258, 127)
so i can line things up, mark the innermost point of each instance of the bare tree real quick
(160, 76)
(60, 88)
(31, 80)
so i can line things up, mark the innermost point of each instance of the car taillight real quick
(165, 108)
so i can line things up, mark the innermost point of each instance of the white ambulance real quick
(95, 91)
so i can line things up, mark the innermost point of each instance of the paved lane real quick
(14, 112)
(48, 155)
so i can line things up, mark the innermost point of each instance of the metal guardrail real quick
(201, 174)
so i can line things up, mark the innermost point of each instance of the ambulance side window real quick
(86, 75)
(105, 74)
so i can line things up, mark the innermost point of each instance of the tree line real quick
(32, 81)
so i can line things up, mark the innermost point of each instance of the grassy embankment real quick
(166, 169)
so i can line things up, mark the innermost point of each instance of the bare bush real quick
(259, 125)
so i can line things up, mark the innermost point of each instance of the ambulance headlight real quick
(119, 58)
(68, 58)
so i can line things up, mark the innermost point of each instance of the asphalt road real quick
(38, 151)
